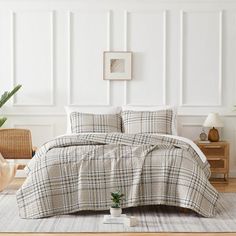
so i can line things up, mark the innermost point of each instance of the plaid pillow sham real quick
(94, 123)
(148, 121)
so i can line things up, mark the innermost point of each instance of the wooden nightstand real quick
(217, 154)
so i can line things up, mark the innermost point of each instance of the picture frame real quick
(117, 65)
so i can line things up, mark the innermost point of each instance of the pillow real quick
(148, 121)
(90, 123)
(91, 110)
(156, 108)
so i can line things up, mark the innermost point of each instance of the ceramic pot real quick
(115, 212)
(213, 135)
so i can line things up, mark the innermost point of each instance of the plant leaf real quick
(2, 121)
(7, 95)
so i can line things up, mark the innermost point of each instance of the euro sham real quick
(160, 122)
(174, 130)
(90, 110)
(91, 123)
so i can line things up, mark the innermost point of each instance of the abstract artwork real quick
(117, 66)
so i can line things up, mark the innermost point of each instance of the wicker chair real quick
(16, 144)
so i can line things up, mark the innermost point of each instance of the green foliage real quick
(116, 199)
(2, 121)
(5, 97)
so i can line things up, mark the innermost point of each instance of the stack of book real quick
(123, 219)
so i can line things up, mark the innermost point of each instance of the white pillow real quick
(156, 108)
(91, 110)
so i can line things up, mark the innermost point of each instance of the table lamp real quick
(213, 120)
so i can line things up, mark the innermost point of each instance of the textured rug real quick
(151, 219)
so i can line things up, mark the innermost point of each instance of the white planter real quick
(115, 212)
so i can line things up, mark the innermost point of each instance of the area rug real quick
(151, 219)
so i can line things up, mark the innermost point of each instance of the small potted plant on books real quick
(116, 198)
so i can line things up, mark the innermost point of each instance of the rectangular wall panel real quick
(89, 37)
(191, 130)
(201, 65)
(32, 57)
(146, 37)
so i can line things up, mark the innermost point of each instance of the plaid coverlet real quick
(78, 172)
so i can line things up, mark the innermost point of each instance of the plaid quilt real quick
(78, 172)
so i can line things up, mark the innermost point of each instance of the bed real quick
(78, 171)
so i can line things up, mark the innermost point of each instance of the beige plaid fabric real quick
(134, 122)
(93, 123)
(78, 172)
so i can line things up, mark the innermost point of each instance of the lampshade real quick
(213, 120)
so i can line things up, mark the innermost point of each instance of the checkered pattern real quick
(135, 122)
(91, 123)
(78, 172)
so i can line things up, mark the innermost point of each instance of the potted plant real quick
(116, 198)
(4, 98)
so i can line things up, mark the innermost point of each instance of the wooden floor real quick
(221, 187)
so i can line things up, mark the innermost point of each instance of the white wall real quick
(184, 55)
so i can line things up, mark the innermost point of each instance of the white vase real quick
(115, 212)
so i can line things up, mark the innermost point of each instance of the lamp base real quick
(213, 135)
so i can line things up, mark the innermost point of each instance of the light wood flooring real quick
(221, 187)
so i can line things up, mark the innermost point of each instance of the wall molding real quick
(219, 102)
(182, 128)
(164, 38)
(35, 114)
(13, 58)
(191, 125)
(64, 114)
(70, 62)
(50, 125)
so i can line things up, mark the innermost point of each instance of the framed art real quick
(117, 65)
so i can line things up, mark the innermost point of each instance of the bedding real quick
(90, 110)
(92, 123)
(156, 108)
(78, 172)
(134, 122)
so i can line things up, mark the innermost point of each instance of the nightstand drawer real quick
(213, 150)
(217, 164)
